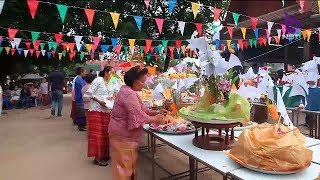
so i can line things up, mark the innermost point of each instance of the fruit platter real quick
(173, 125)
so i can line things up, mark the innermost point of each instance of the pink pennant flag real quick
(156, 56)
(199, 28)
(159, 22)
(13, 51)
(27, 44)
(96, 40)
(147, 3)
(222, 47)
(31, 52)
(36, 44)
(178, 43)
(301, 3)
(92, 55)
(38, 54)
(58, 38)
(254, 22)
(148, 44)
(33, 6)
(230, 31)
(283, 28)
(12, 33)
(246, 44)
(53, 53)
(267, 32)
(117, 49)
(240, 42)
(216, 13)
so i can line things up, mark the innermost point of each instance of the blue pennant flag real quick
(179, 54)
(172, 3)
(104, 48)
(114, 42)
(20, 50)
(138, 20)
(290, 38)
(256, 33)
(49, 54)
(156, 51)
(217, 43)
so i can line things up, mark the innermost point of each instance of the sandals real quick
(101, 162)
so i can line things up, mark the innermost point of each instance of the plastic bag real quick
(263, 147)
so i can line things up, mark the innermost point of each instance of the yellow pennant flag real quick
(115, 19)
(244, 30)
(89, 47)
(304, 34)
(183, 49)
(60, 55)
(308, 35)
(229, 43)
(319, 5)
(131, 42)
(7, 50)
(195, 9)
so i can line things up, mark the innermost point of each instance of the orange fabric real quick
(151, 70)
(124, 158)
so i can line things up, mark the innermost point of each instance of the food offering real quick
(173, 125)
(274, 149)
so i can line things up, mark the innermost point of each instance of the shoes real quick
(59, 115)
(53, 112)
(101, 162)
(82, 128)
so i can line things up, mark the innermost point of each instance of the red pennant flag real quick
(260, 41)
(246, 44)
(90, 15)
(139, 58)
(230, 31)
(64, 45)
(240, 42)
(152, 49)
(92, 55)
(216, 13)
(254, 22)
(171, 48)
(159, 23)
(148, 44)
(33, 6)
(199, 28)
(222, 47)
(156, 56)
(12, 33)
(178, 43)
(27, 44)
(146, 50)
(71, 45)
(117, 49)
(58, 38)
(264, 41)
(31, 52)
(13, 51)
(38, 54)
(36, 44)
(71, 56)
(53, 53)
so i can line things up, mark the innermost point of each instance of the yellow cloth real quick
(124, 157)
(262, 147)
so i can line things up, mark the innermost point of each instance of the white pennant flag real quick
(77, 39)
(181, 84)
(1, 5)
(269, 40)
(233, 61)
(319, 29)
(281, 108)
(181, 26)
(25, 53)
(17, 41)
(43, 52)
(79, 45)
(13, 45)
(279, 33)
(270, 24)
(157, 92)
(175, 86)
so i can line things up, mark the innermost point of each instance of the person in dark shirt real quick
(56, 83)
(79, 84)
(25, 96)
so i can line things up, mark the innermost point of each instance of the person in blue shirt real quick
(80, 112)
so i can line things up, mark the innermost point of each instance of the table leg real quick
(192, 166)
(148, 135)
(153, 151)
(293, 120)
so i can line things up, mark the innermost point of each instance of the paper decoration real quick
(199, 28)
(147, 3)
(43, 52)
(301, 3)
(291, 24)
(58, 38)
(81, 56)
(90, 15)
(229, 44)
(283, 29)
(216, 13)
(114, 42)
(36, 44)
(138, 20)
(233, 61)
(131, 42)
(172, 3)
(13, 51)
(19, 51)
(62, 11)
(25, 52)
(256, 33)
(42, 45)
(71, 47)
(60, 56)
(1, 7)
(78, 39)
(304, 34)
(31, 52)
(157, 92)
(33, 5)
(164, 43)
(240, 42)
(181, 26)
(279, 33)
(159, 23)
(115, 19)
(178, 43)
(34, 35)
(12, 33)
(195, 9)
(235, 19)
(27, 44)
(243, 30)
(104, 48)
(148, 44)
(38, 54)
(254, 22)
(96, 41)
(319, 5)
(270, 24)
(16, 42)
(308, 35)
(52, 45)
(230, 31)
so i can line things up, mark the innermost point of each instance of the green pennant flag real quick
(52, 45)
(64, 53)
(42, 45)
(251, 42)
(1, 49)
(214, 27)
(148, 57)
(165, 43)
(125, 49)
(235, 19)
(35, 36)
(81, 56)
(255, 42)
(141, 49)
(160, 49)
(62, 11)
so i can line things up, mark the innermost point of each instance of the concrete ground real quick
(36, 146)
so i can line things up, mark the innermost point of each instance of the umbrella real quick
(31, 77)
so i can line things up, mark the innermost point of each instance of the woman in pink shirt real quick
(128, 116)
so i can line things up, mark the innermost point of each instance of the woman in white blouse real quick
(101, 94)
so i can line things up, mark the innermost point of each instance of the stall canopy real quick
(31, 77)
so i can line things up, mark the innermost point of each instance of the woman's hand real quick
(163, 112)
(103, 104)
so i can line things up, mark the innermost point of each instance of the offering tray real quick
(217, 142)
